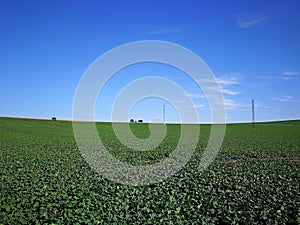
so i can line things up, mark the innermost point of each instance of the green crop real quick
(254, 179)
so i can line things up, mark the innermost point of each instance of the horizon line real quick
(99, 121)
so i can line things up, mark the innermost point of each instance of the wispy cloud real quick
(230, 78)
(178, 100)
(227, 80)
(197, 106)
(287, 99)
(286, 78)
(224, 83)
(165, 30)
(195, 95)
(180, 103)
(229, 92)
(247, 21)
(231, 104)
(224, 90)
(223, 79)
(290, 75)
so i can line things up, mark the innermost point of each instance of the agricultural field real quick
(254, 179)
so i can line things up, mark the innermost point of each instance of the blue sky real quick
(252, 47)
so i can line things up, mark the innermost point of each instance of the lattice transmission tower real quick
(253, 113)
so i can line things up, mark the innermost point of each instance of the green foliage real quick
(45, 180)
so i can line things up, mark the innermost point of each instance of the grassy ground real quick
(45, 180)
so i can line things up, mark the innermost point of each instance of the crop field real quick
(255, 178)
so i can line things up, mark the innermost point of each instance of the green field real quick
(254, 179)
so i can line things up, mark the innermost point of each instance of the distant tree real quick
(140, 121)
(131, 121)
(53, 118)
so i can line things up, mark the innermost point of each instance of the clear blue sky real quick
(252, 47)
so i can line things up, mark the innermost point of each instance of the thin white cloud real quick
(229, 92)
(286, 78)
(227, 80)
(251, 21)
(231, 104)
(183, 103)
(165, 30)
(197, 106)
(178, 100)
(262, 105)
(286, 99)
(225, 91)
(231, 81)
(223, 80)
(195, 95)
(189, 107)
(290, 75)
